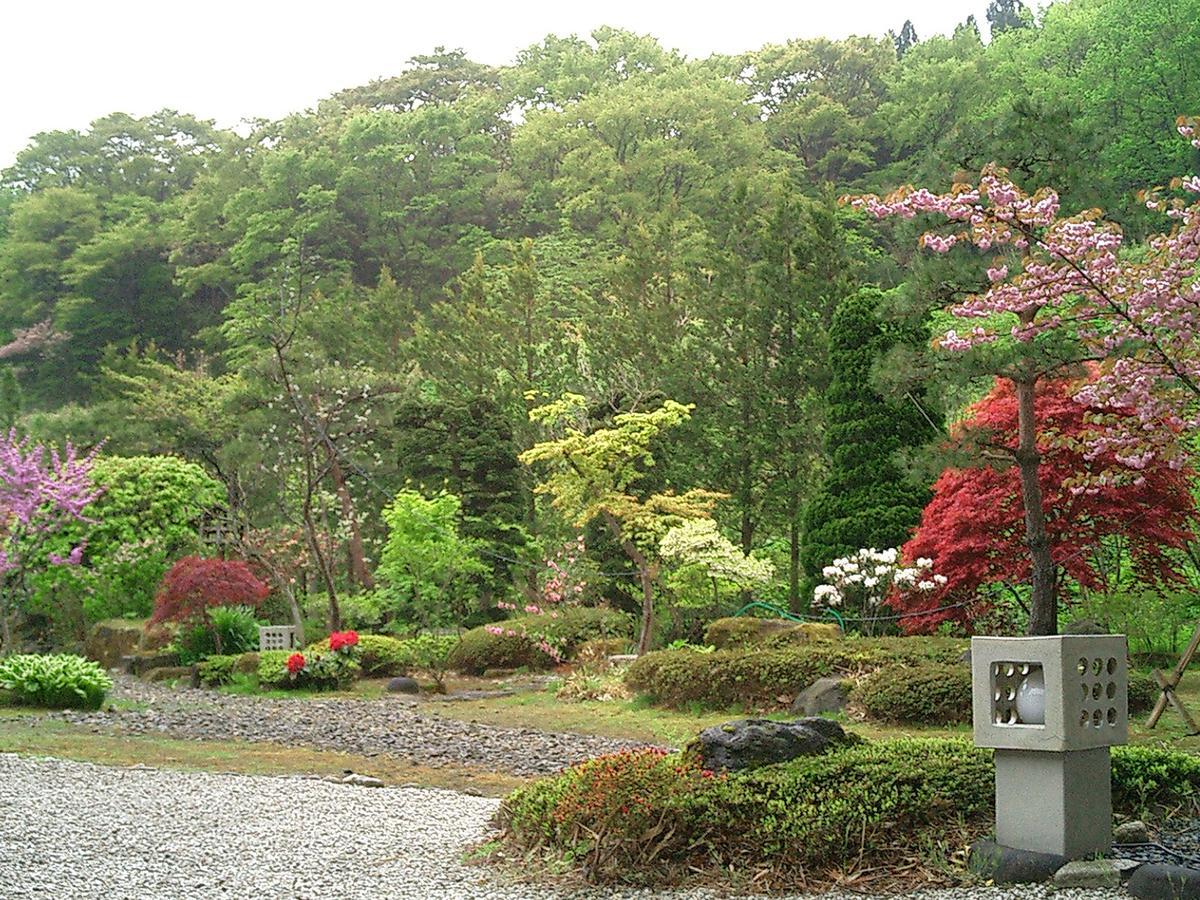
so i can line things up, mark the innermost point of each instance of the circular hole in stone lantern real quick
(1083, 718)
(1010, 670)
(1097, 666)
(1082, 667)
(1097, 719)
(1112, 716)
(1111, 690)
(1112, 665)
(1097, 688)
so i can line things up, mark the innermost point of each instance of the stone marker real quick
(403, 685)
(1089, 873)
(1134, 832)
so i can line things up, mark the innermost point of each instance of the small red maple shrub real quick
(194, 585)
(973, 528)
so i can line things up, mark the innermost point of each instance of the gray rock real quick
(403, 685)
(965, 656)
(622, 659)
(361, 780)
(1133, 832)
(750, 743)
(1158, 881)
(1088, 873)
(822, 696)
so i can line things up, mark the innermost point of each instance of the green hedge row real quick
(772, 677)
(516, 644)
(644, 817)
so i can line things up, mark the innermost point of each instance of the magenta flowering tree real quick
(1065, 290)
(40, 491)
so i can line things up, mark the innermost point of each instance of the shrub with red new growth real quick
(194, 585)
(295, 664)
(973, 528)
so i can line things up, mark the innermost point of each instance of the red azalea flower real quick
(295, 663)
(341, 640)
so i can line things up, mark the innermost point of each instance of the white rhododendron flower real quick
(863, 580)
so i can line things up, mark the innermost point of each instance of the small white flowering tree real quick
(857, 585)
(701, 553)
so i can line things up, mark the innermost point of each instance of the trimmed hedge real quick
(219, 670)
(1143, 692)
(644, 817)
(322, 671)
(772, 677)
(927, 694)
(516, 645)
(743, 631)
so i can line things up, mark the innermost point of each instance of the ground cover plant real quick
(58, 681)
(651, 817)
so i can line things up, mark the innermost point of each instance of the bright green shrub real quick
(236, 626)
(61, 681)
(322, 671)
(771, 677)
(1150, 780)
(641, 816)
(926, 694)
(514, 643)
(382, 656)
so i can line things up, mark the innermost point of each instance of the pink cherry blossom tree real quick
(40, 491)
(1073, 282)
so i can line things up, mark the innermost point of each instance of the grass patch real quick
(42, 737)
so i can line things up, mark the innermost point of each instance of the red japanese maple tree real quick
(973, 528)
(194, 585)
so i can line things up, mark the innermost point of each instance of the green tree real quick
(594, 473)
(427, 566)
(865, 501)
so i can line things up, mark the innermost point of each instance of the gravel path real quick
(395, 725)
(75, 831)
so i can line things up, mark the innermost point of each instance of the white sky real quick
(67, 63)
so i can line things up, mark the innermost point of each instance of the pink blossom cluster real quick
(41, 491)
(1138, 313)
(541, 642)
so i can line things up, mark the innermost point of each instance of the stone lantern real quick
(1051, 707)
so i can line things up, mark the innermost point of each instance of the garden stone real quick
(1089, 873)
(1134, 832)
(108, 642)
(750, 743)
(1085, 626)
(141, 663)
(822, 696)
(1006, 865)
(171, 673)
(622, 659)
(361, 780)
(1158, 881)
(402, 685)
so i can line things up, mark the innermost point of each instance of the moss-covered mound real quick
(648, 817)
(744, 631)
(766, 678)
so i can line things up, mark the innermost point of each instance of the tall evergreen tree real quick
(866, 501)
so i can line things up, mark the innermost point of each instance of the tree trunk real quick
(1043, 603)
(5, 630)
(289, 594)
(356, 560)
(647, 572)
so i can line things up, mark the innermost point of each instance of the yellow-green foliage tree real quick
(593, 474)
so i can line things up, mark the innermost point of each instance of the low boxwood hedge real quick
(924, 694)
(513, 644)
(646, 817)
(765, 678)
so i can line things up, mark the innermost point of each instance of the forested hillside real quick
(375, 294)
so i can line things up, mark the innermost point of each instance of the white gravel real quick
(74, 830)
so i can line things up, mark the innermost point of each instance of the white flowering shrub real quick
(857, 585)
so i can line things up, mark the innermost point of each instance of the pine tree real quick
(865, 501)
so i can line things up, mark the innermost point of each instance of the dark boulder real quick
(403, 685)
(750, 743)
